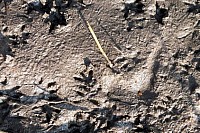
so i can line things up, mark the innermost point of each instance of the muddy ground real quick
(60, 81)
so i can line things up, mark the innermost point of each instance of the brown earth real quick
(152, 87)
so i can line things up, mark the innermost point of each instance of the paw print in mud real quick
(87, 75)
(87, 79)
(127, 62)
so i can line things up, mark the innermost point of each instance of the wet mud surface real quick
(53, 77)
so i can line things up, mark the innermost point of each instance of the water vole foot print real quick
(127, 62)
(152, 85)
(88, 79)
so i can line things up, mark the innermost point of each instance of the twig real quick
(98, 44)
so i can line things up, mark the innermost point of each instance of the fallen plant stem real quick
(98, 44)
